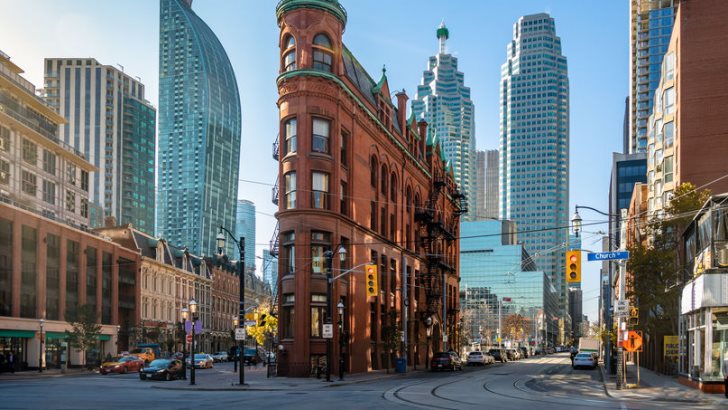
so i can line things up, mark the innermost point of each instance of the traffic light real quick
(372, 279)
(573, 266)
(261, 320)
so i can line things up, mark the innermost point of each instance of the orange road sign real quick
(633, 342)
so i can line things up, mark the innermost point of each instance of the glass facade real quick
(492, 268)
(245, 228)
(534, 144)
(444, 102)
(199, 131)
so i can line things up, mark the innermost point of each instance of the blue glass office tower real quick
(245, 228)
(270, 270)
(199, 131)
(493, 266)
(651, 24)
(534, 144)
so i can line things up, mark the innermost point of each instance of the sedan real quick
(476, 358)
(584, 360)
(499, 355)
(446, 361)
(122, 365)
(202, 361)
(163, 369)
(220, 357)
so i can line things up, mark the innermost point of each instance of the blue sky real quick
(399, 34)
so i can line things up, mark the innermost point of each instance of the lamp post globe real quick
(220, 242)
(185, 313)
(193, 311)
(576, 223)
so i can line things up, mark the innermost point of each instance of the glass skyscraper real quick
(651, 24)
(270, 270)
(486, 185)
(444, 102)
(199, 131)
(245, 228)
(114, 126)
(534, 144)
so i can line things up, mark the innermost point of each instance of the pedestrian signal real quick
(372, 280)
(573, 266)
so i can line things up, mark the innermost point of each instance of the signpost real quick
(239, 333)
(328, 331)
(607, 256)
(633, 342)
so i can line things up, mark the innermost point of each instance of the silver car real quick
(479, 358)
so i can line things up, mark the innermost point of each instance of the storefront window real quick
(720, 342)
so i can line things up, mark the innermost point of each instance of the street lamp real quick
(428, 328)
(193, 312)
(185, 315)
(340, 306)
(40, 346)
(241, 309)
(329, 287)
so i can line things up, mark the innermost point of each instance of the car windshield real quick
(160, 363)
(200, 356)
(584, 356)
(127, 359)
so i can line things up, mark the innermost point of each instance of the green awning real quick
(27, 334)
(104, 337)
(55, 335)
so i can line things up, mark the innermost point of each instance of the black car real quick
(446, 361)
(499, 355)
(524, 352)
(162, 369)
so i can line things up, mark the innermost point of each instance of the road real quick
(542, 382)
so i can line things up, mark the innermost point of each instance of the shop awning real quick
(104, 337)
(27, 334)
(62, 335)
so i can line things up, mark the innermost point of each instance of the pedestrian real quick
(11, 362)
(724, 368)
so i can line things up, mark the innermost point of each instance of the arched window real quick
(374, 168)
(322, 53)
(393, 188)
(383, 185)
(408, 199)
(289, 53)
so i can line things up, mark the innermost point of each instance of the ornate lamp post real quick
(329, 287)
(40, 346)
(193, 312)
(185, 315)
(428, 324)
(241, 310)
(340, 306)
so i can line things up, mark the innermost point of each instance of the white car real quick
(584, 360)
(202, 361)
(479, 358)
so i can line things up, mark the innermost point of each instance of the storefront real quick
(15, 342)
(704, 330)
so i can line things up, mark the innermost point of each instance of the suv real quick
(498, 355)
(446, 361)
(512, 354)
(524, 352)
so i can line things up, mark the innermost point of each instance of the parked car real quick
(513, 354)
(162, 369)
(122, 365)
(584, 360)
(524, 352)
(446, 361)
(498, 355)
(202, 361)
(250, 356)
(550, 350)
(477, 358)
(220, 357)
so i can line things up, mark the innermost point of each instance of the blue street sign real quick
(198, 327)
(607, 256)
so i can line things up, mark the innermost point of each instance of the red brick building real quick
(356, 174)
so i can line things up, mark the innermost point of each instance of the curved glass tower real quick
(199, 131)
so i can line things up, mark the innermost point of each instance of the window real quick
(373, 216)
(49, 192)
(290, 135)
(343, 198)
(4, 139)
(84, 180)
(317, 320)
(383, 184)
(670, 66)
(320, 190)
(49, 162)
(344, 148)
(30, 152)
(289, 252)
(393, 189)
(84, 207)
(289, 55)
(669, 100)
(29, 183)
(320, 135)
(71, 174)
(287, 317)
(658, 131)
(669, 134)
(4, 172)
(320, 243)
(322, 58)
(373, 169)
(290, 190)
(70, 201)
(668, 169)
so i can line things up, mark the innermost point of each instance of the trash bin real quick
(401, 365)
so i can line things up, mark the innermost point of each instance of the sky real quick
(399, 34)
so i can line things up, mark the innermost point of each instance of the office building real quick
(340, 155)
(443, 101)
(199, 132)
(486, 186)
(650, 26)
(270, 270)
(534, 144)
(109, 120)
(245, 228)
(627, 170)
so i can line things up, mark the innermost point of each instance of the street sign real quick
(198, 326)
(240, 333)
(444, 338)
(633, 342)
(328, 331)
(607, 256)
(250, 323)
(189, 338)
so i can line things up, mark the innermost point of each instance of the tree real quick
(265, 326)
(86, 330)
(514, 326)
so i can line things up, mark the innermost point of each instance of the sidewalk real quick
(656, 387)
(47, 373)
(255, 379)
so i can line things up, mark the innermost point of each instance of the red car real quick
(122, 365)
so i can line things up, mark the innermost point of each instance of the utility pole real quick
(620, 349)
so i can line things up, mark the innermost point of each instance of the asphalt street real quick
(542, 382)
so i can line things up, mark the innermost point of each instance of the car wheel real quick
(123, 370)
(142, 376)
(168, 377)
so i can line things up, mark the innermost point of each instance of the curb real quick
(604, 381)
